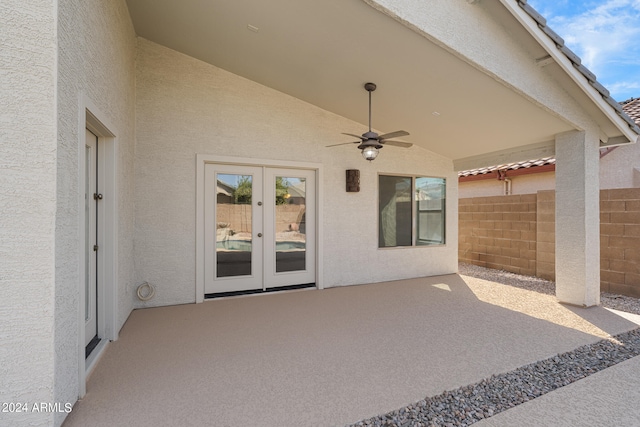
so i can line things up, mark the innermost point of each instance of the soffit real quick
(631, 108)
(322, 52)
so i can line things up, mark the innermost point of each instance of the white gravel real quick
(613, 301)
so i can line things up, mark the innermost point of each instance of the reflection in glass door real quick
(291, 240)
(233, 228)
(259, 226)
(289, 227)
(233, 225)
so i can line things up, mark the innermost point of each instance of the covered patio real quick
(125, 114)
(326, 357)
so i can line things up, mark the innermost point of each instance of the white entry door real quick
(259, 228)
(91, 264)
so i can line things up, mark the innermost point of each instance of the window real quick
(411, 211)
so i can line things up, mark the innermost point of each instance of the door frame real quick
(202, 160)
(90, 117)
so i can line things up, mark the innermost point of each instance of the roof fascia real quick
(512, 155)
(561, 59)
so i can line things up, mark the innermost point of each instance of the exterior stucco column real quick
(577, 219)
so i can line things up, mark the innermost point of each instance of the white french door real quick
(91, 212)
(259, 228)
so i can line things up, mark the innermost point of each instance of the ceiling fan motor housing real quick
(371, 142)
(370, 135)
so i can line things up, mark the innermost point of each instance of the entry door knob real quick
(259, 234)
(259, 203)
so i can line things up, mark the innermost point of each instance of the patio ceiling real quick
(322, 52)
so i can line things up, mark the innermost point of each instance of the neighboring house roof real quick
(509, 166)
(577, 63)
(630, 107)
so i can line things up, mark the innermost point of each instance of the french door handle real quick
(259, 234)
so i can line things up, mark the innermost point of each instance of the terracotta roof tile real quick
(632, 108)
(510, 166)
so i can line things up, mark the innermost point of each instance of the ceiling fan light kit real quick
(370, 142)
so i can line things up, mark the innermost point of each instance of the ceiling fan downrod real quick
(370, 87)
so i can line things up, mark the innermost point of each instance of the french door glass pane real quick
(290, 226)
(394, 211)
(88, 250)
(233, 225)
(430, 208)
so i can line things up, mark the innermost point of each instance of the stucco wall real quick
(27, 206)
(185, 107)
(96, 60)
(621, 168)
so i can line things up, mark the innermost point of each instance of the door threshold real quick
(91, 361)
(258, 291)
(91, 346)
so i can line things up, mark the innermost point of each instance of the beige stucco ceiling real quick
(323, 52)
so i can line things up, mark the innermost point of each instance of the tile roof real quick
(509, 166)
(631, 107)
(577, 63)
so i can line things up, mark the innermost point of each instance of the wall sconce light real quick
(353, 180)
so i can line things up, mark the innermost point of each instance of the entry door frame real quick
(202, 160)
(90, 117)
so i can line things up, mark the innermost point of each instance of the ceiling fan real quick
(370, 142)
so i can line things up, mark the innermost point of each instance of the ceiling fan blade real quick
(397, 143)
(357, 136)
(344, 143)
(393, 134)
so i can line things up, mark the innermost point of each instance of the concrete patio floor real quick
(330, 357)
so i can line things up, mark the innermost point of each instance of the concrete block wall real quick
(619, 236)
(546, 235)
(238, 217)
(499, 232)
(620, 241)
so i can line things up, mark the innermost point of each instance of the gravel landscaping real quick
(616, 302)
(469, 404)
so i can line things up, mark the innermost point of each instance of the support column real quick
(577, 219)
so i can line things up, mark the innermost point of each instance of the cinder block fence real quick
(517, 234)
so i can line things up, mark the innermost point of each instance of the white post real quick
(577, 219)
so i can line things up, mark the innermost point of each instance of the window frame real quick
(414, 212)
